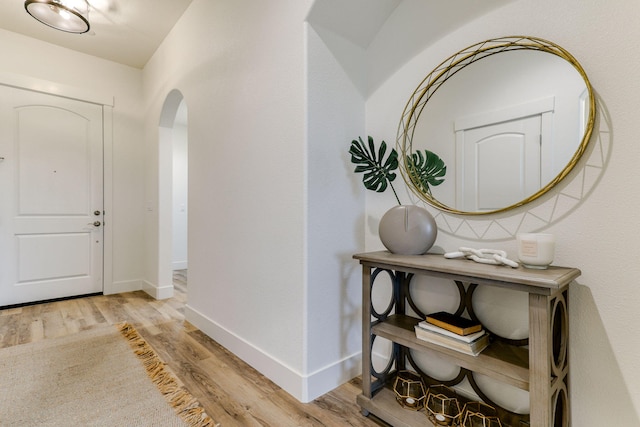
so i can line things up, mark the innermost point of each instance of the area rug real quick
(108, 376)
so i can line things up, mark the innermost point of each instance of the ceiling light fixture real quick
(71, 16)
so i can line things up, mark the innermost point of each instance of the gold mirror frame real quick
(447, 69)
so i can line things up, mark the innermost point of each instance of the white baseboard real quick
(123, 286)
(158, 292)
(305, 388)
(329, 377)
(179, 265)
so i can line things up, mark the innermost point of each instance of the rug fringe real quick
(185, 405)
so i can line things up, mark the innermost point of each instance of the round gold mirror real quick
(512, 121)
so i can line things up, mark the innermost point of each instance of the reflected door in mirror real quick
(499, 164)
(529, 77)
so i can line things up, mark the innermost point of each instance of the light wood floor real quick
(231, 392)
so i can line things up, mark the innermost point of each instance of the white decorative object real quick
(408, 230)
(536, 250)
(483, 256)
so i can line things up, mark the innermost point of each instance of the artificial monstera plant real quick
(425, 167)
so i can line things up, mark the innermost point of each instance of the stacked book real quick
(453, 332)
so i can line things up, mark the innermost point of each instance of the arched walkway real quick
(172, 191)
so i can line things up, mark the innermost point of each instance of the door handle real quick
(95, 223)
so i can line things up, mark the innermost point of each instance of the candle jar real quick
(409, 390)
(443, 408)
(536, 250)
(478, 414)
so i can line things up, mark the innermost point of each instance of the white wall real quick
(333, 292)
(240, 66)
(179, 258)
(84, 74)
(599, 235)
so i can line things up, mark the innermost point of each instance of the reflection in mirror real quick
(508, 127)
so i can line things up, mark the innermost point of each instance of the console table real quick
(542, 368)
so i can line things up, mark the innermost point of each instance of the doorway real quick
(51, 219)
(173, 192)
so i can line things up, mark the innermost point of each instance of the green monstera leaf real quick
(378, 171)
(426, 170)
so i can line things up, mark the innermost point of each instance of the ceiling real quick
(123, 31)
(391, 32)
(130, 31)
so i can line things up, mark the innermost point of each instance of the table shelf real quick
(539, 366)
(506, 363)
(384, 406)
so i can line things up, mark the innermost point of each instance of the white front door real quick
(51, 182)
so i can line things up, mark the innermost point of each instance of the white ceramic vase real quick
(408, 230)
